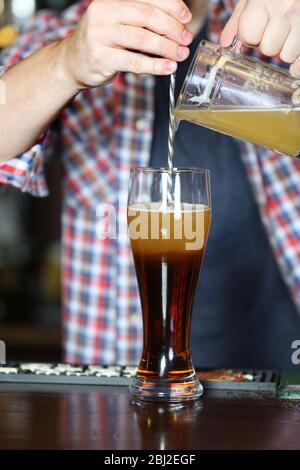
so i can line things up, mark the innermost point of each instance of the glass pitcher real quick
(242, 97)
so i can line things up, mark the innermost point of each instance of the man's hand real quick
(271, 25)
(140, 36)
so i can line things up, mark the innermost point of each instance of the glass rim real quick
(163, 170)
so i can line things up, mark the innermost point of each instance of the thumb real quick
(231, 28)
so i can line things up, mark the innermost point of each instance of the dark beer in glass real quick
(168, 232)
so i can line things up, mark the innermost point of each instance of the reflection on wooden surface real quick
(62, 417)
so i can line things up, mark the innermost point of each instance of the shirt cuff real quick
(26, 172)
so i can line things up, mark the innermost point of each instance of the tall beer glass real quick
(169, 219)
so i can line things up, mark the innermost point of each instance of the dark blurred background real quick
(30, 313)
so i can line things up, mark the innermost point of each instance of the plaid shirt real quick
(105, 132)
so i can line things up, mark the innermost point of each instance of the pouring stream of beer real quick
(172, 131)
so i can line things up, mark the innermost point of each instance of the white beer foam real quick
(205, 97)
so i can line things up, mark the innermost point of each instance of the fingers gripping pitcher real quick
(243, 97)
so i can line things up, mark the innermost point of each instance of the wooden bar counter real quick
(90, 417)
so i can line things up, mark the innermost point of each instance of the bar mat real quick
(251, 380)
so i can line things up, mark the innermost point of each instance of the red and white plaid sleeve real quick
(26, 171)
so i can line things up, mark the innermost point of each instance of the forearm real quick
(36, 90)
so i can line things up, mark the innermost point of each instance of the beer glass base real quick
(164, 390)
